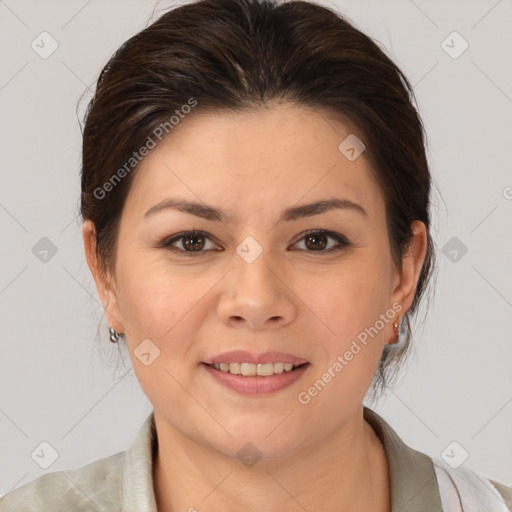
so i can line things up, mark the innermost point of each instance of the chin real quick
(269, 437)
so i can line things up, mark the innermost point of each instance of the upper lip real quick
(243, 356)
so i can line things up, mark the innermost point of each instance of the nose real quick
(256, 296)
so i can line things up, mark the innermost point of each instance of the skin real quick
(313, 304)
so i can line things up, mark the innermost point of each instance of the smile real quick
(256, 379)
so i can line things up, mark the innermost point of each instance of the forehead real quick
(255, 159)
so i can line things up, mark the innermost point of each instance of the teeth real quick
(248, 369)
(251, 369)
(278, 367)
(233, 368)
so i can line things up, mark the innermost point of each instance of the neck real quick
(347, 471)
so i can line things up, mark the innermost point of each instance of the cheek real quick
(348, 299)
(349, 302)
(156, 308)
(349, 346)
(151, 300)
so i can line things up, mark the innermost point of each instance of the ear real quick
(104, 283)
(406, 279)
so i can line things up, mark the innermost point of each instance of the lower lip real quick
(257, 385)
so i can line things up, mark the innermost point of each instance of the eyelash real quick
(167, 242)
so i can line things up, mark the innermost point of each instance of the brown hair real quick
(239, 54)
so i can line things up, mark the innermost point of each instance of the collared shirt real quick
(124, 483)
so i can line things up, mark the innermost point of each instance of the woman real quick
(255, 196)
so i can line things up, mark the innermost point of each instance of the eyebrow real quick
(207, 212)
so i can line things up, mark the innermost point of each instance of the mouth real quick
(251, 373)
(256, 379)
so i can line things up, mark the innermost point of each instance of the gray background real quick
(60, 382)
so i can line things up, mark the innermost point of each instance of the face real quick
(308, 284)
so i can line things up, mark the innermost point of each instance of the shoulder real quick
(96, 486)
(505, 491)
(463, 486)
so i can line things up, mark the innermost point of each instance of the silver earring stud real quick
(114, 335)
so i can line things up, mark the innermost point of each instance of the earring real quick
(395, 327)
(114, 335)
(400, 330)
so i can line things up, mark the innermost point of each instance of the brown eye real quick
(317, 241)
(190, 243)
(193, 242)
